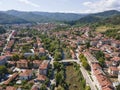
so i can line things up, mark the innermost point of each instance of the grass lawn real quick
(104, 28)
(72, 78)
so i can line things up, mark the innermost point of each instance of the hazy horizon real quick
(62, 6)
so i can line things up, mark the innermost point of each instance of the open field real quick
(104, 28)
(72, 78)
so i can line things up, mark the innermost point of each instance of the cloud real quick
(101, 5)
(28, 2)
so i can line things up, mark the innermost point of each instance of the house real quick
(11, 78)
(42, 51)
(44, 67)
(90, 58)
(113, 71)
(100, 79)
(1, 88)
(28, 54)
(11, 63)
(119, 73)
(115, 60)
(108, 63)
(11, 88)
(36, 63)
(26, 75)
(35, 87)
(41, 78)
(93, 43)
(105, 41)
(22, 64)
(115, 43)
(3, 60)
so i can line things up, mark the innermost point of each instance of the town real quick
(53, 56)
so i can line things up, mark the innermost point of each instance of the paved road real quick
(86, 75)
(8, 39)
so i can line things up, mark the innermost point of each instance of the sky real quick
(66, 6)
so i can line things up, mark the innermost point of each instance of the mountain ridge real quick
(14, 16)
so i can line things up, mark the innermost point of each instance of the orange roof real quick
(96, 66)
(22, 61)
(26, 73)
(43, 66)
(116, 59)
(1, 88)
(107, 88)
(41, 77)
(102, 79)
(11, 88)
(112, 68)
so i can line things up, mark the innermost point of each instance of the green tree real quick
(86, 65)
(3, 69)
(58, 78)
(58, 56)
(15, 57)
(118, 87)
(43, 87)
(56, 65)
(87, 88)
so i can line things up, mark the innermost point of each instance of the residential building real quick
(113, 71)
(44, 67)
(22, 64)
(36, 63)
(26, 75)
(3, 60)
(41, 78)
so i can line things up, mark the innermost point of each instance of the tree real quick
(2, 30)
(43, 87)
(84, 83)
(3, 69)
(87, 88)
(58, 78)
(100, 57)
(47, 81)
(15, 57)
(36, 57)
(43, 57)
(21, 56)
(101, 61)
(86, 65)
(58, 56)
(118, 87)
(87, 44)
(56, 65)
(31, 58)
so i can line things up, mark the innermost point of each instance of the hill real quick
(29, 16)
(107, 14)
(13, 16)
(45, 16)
(9, 19)
(115, 20)
(103, 17)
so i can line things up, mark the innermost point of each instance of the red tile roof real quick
(41, 77)
(11, 88)
(26, 73)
